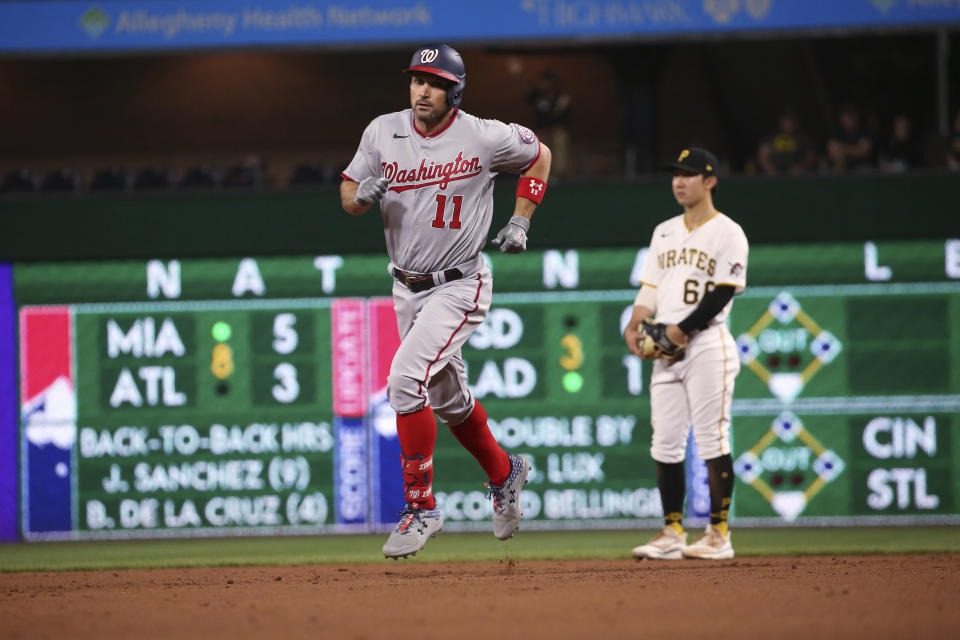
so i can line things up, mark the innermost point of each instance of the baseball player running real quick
(431, 168)
(696, 264)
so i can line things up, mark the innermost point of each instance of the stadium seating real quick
(199, 177)
(308, 175)
(247, 174)
(110, 179)
(19, 181)
(63, 180)
(153, 178)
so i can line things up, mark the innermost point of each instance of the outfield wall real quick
(246, 395)
(616, 214)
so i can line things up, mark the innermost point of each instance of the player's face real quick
(428, 97)
(690, 188)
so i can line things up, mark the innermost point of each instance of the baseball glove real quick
(655, 335)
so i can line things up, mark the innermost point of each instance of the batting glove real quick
(371, 190)
(513, 237)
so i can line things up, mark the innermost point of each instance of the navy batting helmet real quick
(443, 61)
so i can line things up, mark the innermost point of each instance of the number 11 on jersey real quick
(441, 207)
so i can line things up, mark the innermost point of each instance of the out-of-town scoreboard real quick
(208, 397)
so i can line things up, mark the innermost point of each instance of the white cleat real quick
(713, 545)
(506, 498)
(666, 545)
(416, 526)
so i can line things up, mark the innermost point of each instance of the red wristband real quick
(531, 188)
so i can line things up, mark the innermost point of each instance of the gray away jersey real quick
(439, 206)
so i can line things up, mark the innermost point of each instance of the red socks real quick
(474, 434)
(417, 432)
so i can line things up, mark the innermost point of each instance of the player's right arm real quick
(645, 304)
(348, 195)
(641, 312)
(362, 182)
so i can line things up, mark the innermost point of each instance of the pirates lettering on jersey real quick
(688, 257)
(436, 173)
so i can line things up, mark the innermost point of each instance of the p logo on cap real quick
(695, 160)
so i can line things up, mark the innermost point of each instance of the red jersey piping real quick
(466, 317)
(535, 158)
(435, 133)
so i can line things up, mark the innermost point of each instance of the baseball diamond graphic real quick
(767, 460)
(796, 331)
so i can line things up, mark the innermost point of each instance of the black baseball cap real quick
(695, 160)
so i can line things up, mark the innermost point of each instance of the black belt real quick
(418, 282)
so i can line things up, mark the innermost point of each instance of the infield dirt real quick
(902, 596)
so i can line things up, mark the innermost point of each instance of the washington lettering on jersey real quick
(689, 257)
(461, 168)
(438, 207)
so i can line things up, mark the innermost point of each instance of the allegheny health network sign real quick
(42, 26)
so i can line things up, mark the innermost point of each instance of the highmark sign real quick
(72, 26)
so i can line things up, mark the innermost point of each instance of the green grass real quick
(453, 547)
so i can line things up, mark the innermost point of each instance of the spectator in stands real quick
(953, 145)
(902, 151)
(788, 151)
(552, 105)
(851, 149)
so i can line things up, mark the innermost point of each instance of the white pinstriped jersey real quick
(439, 206)
(684, 263)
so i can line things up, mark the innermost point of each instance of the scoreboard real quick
(167, 422)
(247, 395)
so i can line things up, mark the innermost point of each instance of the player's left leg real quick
(720, 479)
(455, 405)
(709, 382)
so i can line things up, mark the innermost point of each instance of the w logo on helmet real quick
(443, 61)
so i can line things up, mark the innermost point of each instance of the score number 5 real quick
(285, 341)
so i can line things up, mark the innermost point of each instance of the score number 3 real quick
(285, 340)
(441, 208)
